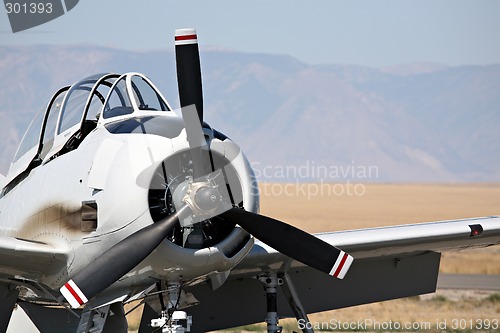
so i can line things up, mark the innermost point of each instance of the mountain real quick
(416, 122)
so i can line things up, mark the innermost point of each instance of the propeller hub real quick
(207, 198)
(204, 199)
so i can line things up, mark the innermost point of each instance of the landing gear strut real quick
(271, 281)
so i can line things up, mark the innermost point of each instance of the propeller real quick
(202, 200)
(283, 237)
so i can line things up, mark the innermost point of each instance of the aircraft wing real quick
(29, 259)
(390, 262)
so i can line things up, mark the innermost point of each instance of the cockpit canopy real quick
(75, 109)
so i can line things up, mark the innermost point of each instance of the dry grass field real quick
(324, 207)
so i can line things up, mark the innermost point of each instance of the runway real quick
(469, 282)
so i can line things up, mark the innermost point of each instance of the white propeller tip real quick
(342, 265)
(185, 36)
(73, 294)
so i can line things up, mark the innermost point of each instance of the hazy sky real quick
(374, 32)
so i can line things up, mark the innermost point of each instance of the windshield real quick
(133, 92)
(145, 96)
(118, 103)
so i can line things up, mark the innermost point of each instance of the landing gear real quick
(271, 281)
(178, 322)
(171, 320)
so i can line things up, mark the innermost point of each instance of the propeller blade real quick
(118, 260)
(197, 144)
(293, 242)
(187, 57)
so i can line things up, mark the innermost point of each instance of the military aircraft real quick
(114, 197)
